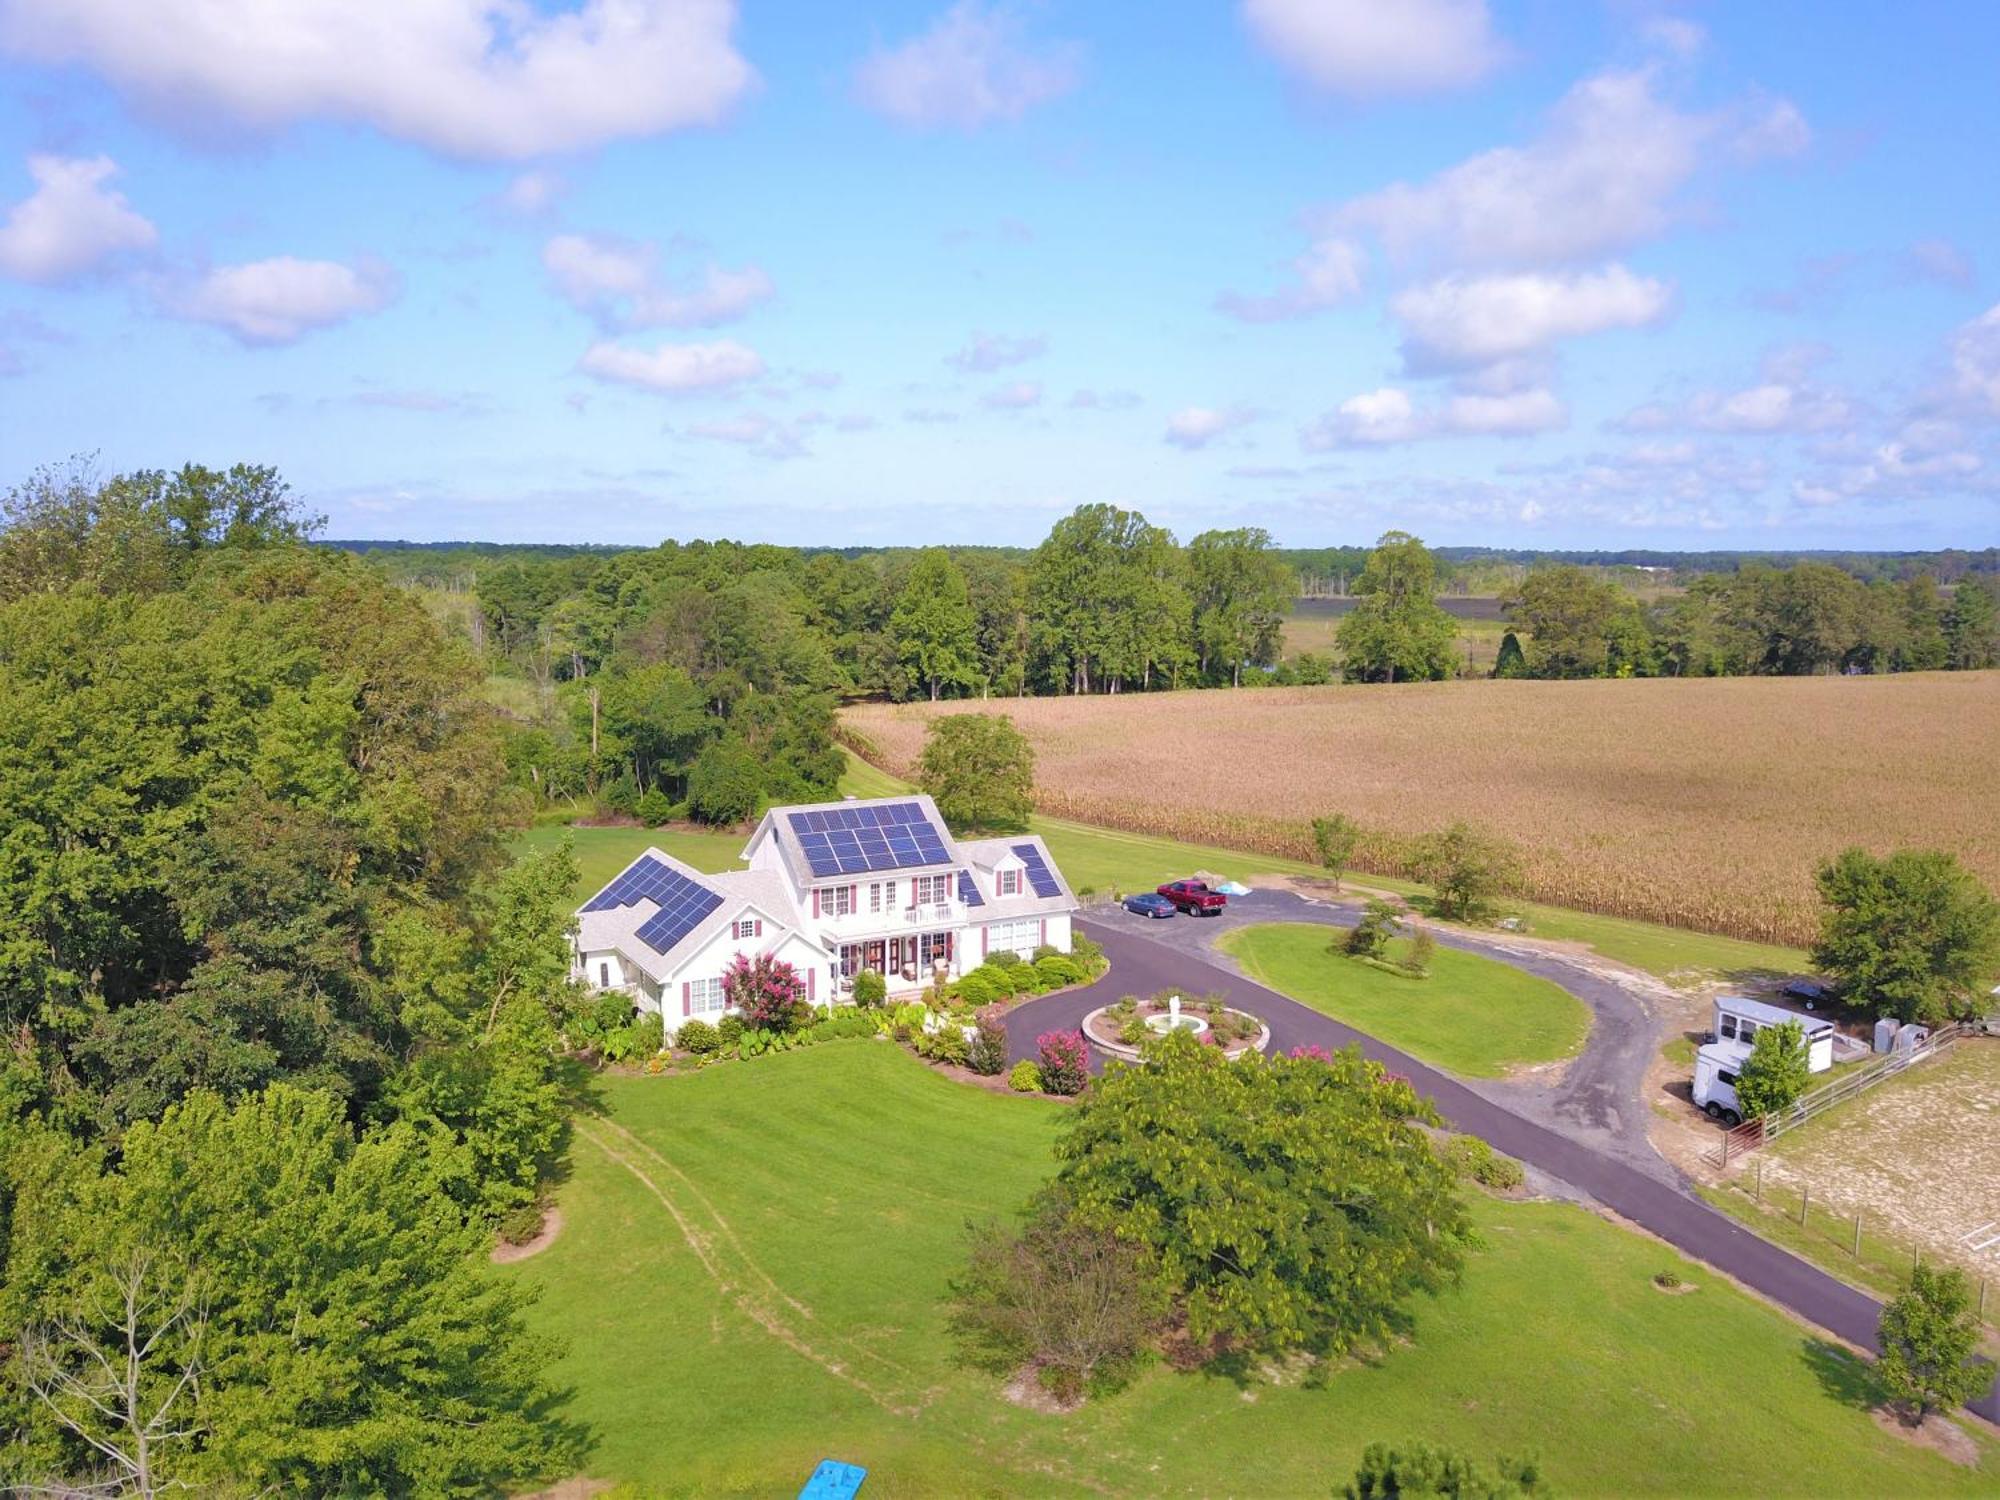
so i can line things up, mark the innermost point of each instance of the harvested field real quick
(1701, 803)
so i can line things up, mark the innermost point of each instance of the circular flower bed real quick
(1121, 1030)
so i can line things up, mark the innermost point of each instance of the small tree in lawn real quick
(1465, 869)
(1776, 1072)
(1370, 936)
(980, 770)
(1928, 1337)
(1914, 935)
(1334, 837)
(767, 992)
(1417, 1471)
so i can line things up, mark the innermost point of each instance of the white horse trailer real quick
(1715, 1069)
(1738, 1019)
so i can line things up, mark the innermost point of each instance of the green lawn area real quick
(1473, 1016)
(750, 1273)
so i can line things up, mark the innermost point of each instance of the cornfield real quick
(1699, 803)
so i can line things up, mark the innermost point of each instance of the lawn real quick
(750, 1273)
(1473, 1016)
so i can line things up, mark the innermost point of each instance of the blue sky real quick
(1529, 274)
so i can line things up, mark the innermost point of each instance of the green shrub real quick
(947, 1044)
(698, 1037)
(1026, 1077)
(522, 1222)
(1372, 933)
(977, 988)
(729, 1031)
(1469, 1156)
(1007, 958)
(1089, 958)
(987, 1053)
(1423, 950)
(1047, 950)
(843, 1025)
(912, 1013)
(1057, 970)
(870, 988)
(1129, 1005)
(1134, 1031)
(655, 808)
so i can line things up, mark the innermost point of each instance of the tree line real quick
(284, 1022)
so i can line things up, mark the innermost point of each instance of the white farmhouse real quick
(831, 888)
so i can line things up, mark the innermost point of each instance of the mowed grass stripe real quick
(830, 1169)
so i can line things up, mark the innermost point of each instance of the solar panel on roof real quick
(683, 903)
(968, 889)
(859, 840)
(1045, 884)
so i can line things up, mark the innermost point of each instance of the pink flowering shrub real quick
(765, 991)
(1313, 1053)
(1065, 1060)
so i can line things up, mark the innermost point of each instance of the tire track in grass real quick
(746, 1299)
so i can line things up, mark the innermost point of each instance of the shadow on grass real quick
(1842, 1374)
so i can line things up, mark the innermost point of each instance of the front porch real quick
(905, 961)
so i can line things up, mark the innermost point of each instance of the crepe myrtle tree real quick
(766, 991)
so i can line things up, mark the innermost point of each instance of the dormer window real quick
(1009, 882)
(746, 928)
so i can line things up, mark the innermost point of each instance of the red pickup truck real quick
(1194, 898)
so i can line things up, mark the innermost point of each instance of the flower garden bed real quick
(1121, 1030)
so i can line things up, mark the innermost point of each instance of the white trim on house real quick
(907, 924)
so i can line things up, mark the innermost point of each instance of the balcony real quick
(938, 914)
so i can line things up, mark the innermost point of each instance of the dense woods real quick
(283, 1024)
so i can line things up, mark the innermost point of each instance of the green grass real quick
(828, 1190)
(1473, 1016)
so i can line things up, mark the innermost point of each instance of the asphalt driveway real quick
(1147, 957)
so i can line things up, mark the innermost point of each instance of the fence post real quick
(1725, 1150)
(1982, 1297)
(1760, 1179)
(1805, 1197)
(1857, 1236)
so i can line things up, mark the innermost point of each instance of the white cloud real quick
(532, 195)
(1382, 417)
(620, 284)
(1197, 426)
(971, 68)
(279, 301)
(987, 352)
(1941, 261)
(1602, 176)
(1675, 35)
(673, 367)
(1367, 49)
(761, 434)
(1975, 359)
(473, 78)
(1328, 274)
(1093, 400)
(1016, 397)
(1782, 402)
(71, 224)
(1463, 321)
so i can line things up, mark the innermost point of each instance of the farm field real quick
(805, 1212)
(1313, 624)
(1701, 803)
(1473, 1016)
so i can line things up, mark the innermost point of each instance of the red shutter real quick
(815, 903)
(687, 998)
(760, 927)
(812, 977)
(1045, 932)
(985, 941)
(913, 891)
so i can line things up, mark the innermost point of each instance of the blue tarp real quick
(834, 1480)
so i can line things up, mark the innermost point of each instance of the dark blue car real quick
(1149, 904)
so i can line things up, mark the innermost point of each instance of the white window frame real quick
(1016, 935)
(706, 997)
(837, 901)
(746, 927)
(1007, 882)
(933, 890)
(874, 895)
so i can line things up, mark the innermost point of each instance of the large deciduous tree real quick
(933, 625)
(1287, 1204)
(980, 770)
(1930, 1336)
(1107, 602)
(1913, 934)
(1578, 624)
(1241, 590)
(1397, 632)
(1464, 868)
